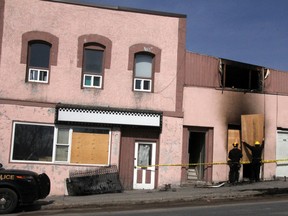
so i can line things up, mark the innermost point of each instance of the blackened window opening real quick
(245, 78)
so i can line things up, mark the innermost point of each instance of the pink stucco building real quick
(85, 86)
(91, 87)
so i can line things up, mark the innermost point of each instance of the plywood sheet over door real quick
(252, 129)
(233, 136)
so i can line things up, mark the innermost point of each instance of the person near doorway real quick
(234, 156)
(256, 153)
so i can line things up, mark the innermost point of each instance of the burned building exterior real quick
(85, 86)
(218, 95)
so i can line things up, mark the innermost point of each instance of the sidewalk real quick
(188, 193)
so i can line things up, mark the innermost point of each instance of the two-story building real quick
(84, 86)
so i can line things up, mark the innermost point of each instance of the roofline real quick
(127, 9)
(241, 63)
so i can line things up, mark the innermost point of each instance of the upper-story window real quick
(38, 61)
(39, 52)
(93, 65)
(144, 61)
(94, 56)
(240, 76)
(143, 72)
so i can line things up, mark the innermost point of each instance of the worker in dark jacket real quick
(256, 152)
(234, 155)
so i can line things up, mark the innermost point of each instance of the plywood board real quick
(89, 148)
(252, 129)
(233, 136)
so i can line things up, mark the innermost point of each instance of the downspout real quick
(265, 74)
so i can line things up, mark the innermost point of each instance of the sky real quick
(248, 31)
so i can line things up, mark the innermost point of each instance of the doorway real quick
(196, 151)
(282, 154)
(144, 173)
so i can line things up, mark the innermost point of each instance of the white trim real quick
(53, 161)
(281, 153)
(68, 145)
(13, 138)
(38, 71)
(142, 85)
(92, 81)
(143, 184)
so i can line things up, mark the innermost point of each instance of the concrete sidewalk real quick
(187, 193)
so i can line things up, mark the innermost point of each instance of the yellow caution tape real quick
(211, 163)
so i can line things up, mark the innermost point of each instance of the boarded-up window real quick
(90, 146)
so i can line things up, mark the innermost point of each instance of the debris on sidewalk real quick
(218, 185)
(94, 181)
(167, 187)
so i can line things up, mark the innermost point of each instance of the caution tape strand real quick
(211, 163)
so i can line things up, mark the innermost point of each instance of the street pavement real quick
(189, 193)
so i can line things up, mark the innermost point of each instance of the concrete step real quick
(192, 175)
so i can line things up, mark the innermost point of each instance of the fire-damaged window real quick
(47, 143)
(240, 76)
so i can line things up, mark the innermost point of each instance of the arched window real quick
(143, 71)
(94, 56)
(38, 61)
(144, 60)
(39, 51)
(93, 65)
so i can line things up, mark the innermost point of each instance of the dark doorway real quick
(247, 171)
(196, 152)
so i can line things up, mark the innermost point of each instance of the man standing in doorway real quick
(256, 152)
(234, 155)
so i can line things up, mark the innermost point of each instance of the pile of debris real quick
(94, 181)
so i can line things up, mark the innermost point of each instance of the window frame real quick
(142, 85)
(147, 48)
(240, 76)
(38, 69)
(45, 37)
(144, 79)
(38, 76)
(92, 83)
(100, 41)
(13, 140)
(92, 74)
(55, 144)
(68, 145)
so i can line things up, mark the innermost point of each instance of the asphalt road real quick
(272, 205)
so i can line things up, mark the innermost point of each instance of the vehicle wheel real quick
(8, 200)
(44, 186)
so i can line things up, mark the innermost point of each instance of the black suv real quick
(21, 187)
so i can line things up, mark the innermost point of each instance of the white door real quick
(282, 153)
(145, 155)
